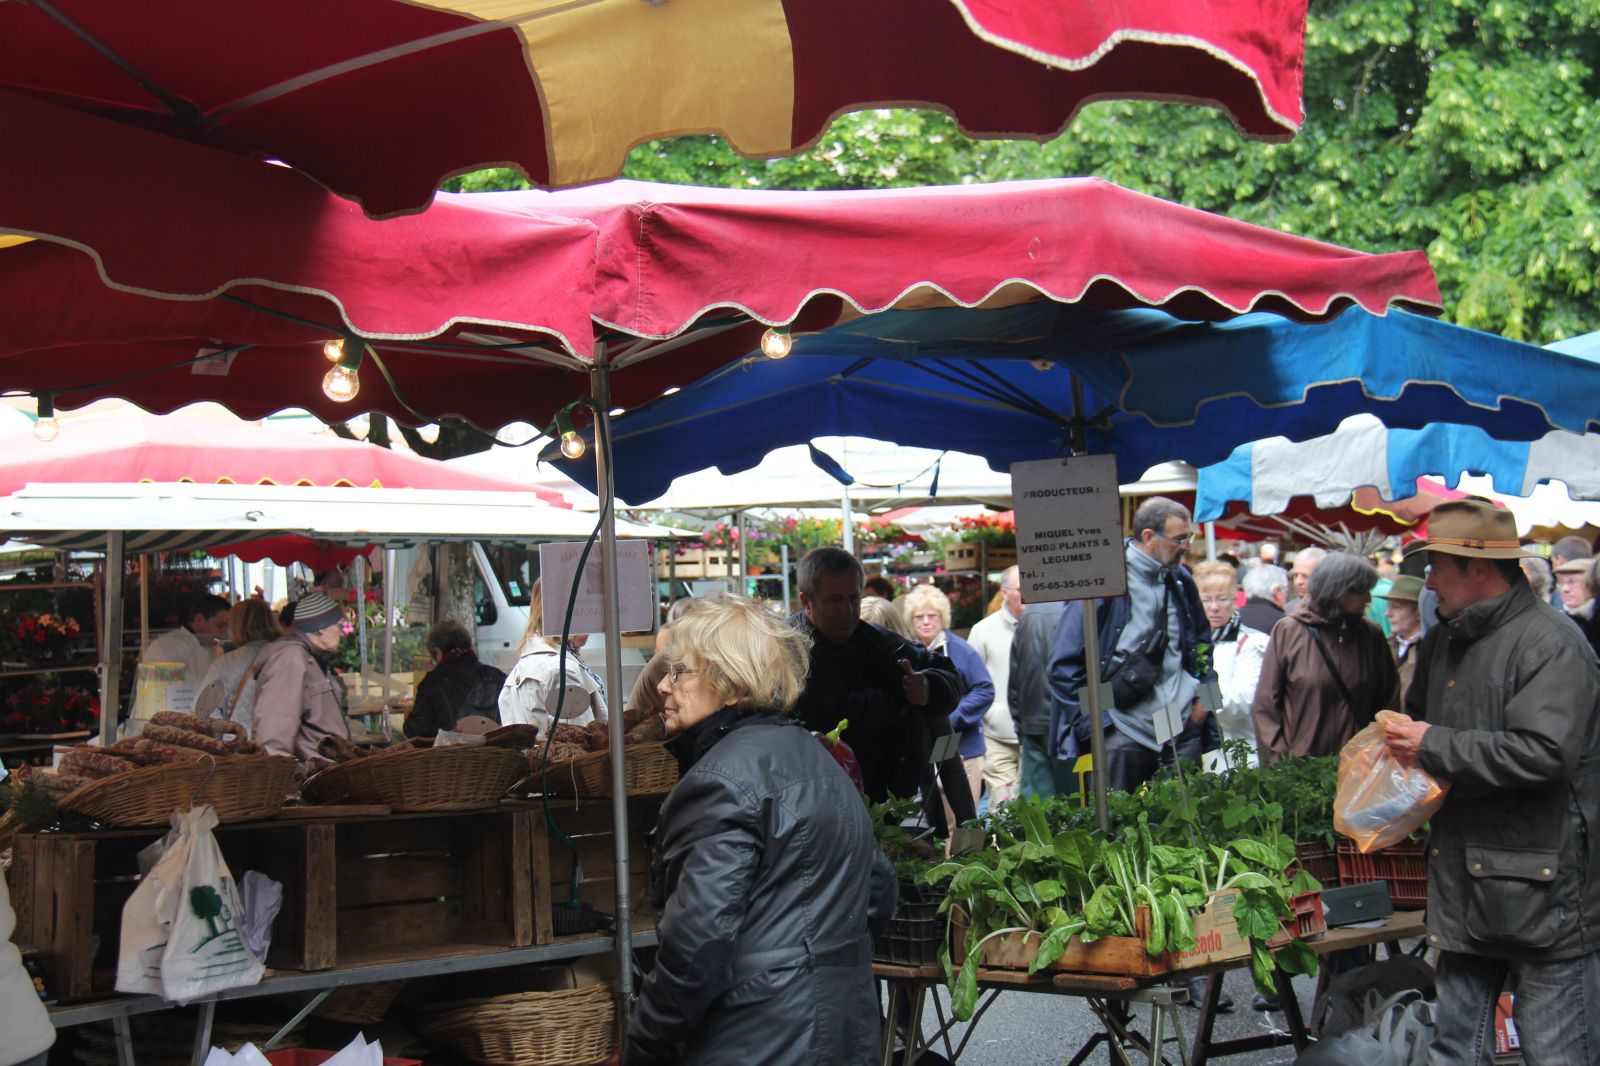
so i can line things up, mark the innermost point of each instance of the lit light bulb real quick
(46, 428)
(776, 342)
(333, 350)
(572, 445)
(341, 384)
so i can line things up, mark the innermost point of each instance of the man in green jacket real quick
(1506, 709)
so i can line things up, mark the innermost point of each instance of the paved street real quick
(1026, 1029)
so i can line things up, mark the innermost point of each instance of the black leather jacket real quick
(765, 877)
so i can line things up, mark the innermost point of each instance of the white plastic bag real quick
(180, 935)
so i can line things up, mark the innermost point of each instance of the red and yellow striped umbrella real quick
(382, 99)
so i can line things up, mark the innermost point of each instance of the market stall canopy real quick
(1266, 476)
(999, 383)
(382, 99)
(178, 517)
(135, 446)
(683, 280)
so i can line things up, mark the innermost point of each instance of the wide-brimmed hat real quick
(1575, 566)
(1405, 588)
(1474, 528)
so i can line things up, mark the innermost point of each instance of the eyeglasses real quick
(1182, 540)
(1216, 601)
(677, 671)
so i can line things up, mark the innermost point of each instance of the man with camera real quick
(1149, 657)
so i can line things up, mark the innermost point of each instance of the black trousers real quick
(1130, 764)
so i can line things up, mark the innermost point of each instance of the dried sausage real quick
(338, 749)
(517, 737)
(183, 738)
(86, 763)
(213, 727)
(651, 728)
(567, 733)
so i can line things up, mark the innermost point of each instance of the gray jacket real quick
(1512, 695)
(765, 878)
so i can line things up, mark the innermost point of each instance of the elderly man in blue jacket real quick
(1150, 656)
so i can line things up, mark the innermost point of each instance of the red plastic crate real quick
(1309, 920)
(1319, 861)
(1403, 866)
(304, 1056)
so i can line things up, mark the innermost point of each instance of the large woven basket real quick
(571, 1026)
(649, 770)
(454, 778)
(238, 787)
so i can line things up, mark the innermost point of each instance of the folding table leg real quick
(202, 1033)
(124, 1032)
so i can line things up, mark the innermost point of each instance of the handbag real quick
(1133, 676)
(1362, 719)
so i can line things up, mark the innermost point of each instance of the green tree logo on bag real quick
(223, 949)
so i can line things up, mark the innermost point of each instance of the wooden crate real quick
(587, 824)
(355, 890)
(969, 556)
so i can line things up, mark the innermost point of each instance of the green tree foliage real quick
(1464, 127)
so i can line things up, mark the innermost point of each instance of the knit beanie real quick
(314, 612)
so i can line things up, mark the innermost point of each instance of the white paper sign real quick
(1168, 723)
(637, 602)
(180, 697)
(1211, 696)
(1069, 528)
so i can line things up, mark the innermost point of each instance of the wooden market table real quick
(119, 1008)
(1109, 997)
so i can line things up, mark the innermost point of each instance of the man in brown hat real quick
(1405, 625)
(1506, 709)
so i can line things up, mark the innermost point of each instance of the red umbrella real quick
(701, 270)
(381, 99)
(140, 447)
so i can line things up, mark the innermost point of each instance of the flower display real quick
(38, 708)
(31, 637)
(995, 530)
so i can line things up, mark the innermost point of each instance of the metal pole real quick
(388, 625)
(144, 604)
(847, 530)
(600, 386)
(1091, 647)
(783, 563)
(1097, 733)
(1211, 540)
(111, 640)
(744, 565)
(358, 574)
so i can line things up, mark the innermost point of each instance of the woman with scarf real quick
(1237, 652)
(1328, 670)
(765, 874)
(536, 683)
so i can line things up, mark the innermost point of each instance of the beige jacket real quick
(297, 699)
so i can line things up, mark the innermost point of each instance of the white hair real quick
(1263, 579)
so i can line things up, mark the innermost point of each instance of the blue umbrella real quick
(1265, 475)
(1000, 383)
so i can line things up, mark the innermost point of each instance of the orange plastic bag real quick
(1380, 802)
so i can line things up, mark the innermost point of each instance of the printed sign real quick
(637, 601)
(1069, 528)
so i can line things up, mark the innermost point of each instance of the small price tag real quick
(965, 838)
(1211, 696)
(1168, 723)
(944, 747)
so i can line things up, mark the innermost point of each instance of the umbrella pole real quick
(605, 481)
(1090, 694)
(111, 639)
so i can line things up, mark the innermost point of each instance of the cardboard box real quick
(1216, 935)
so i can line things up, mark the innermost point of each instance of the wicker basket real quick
(359, 1004)
(238, 787)
(454, 778)
(530, 1028)
(650, 771)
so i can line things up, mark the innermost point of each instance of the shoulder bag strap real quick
(248, 676)
(1361, 718)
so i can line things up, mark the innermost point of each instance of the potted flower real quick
(36, 708)
(988, 542)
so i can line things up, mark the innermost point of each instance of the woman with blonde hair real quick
(1237, 652)
(765, 874)
(928, 611)
(537, 684)
(227, 691)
